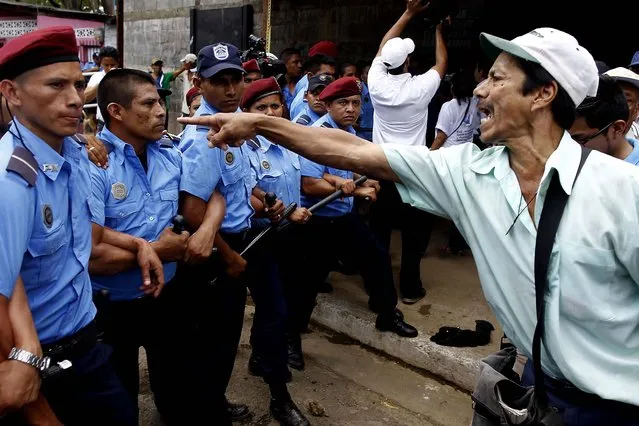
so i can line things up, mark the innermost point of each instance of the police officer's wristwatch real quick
(39, 363)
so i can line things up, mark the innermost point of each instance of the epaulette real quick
(203, 128)
(82, 140)
(304, 120)
(326, 124)
(254, 144)
(166, 142)
(23, 164)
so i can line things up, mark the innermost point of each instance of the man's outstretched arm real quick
(333, 147)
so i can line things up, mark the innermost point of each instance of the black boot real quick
(295, 356)
(395, 322)
(237, 412)
(286, 412)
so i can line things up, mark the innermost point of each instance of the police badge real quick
(229, 157)
(118, 190)
(266, 165)
(221, 52)
(47, 215)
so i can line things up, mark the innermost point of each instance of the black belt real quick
(74, 345)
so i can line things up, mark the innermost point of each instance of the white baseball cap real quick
(190, 57)
(557, 52)
(396, 50)
(625, 75)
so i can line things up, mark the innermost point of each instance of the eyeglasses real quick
(582, 140)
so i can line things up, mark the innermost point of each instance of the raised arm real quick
(413, 8)
(331, 147)
(441, 52)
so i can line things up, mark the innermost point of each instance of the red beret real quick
(251, 66)
(258, 90)
(324, 47)
(192, 94)
(342, 88)
(37, 49)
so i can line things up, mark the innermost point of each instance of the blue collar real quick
(332, 122)
(49, 161)
(633, 158)
(120, 147)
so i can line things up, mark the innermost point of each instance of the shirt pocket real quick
(121, 215)
(169, 198)
(232, 174)
(586, 277)
(42, 247)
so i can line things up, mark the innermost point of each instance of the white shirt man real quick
(399, 99)
(459, 120)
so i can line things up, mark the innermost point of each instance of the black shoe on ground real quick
(237, 412)
(256, 369)
(295, 355)
(411, 299)
(286, 412)
(395, 324)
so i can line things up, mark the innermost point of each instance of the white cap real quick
(190, 57)
(625, 75)
(557, 52)
(396, 50)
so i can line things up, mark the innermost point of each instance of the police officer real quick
(135, 199)
(46, 236)
(220, 79)
(339, 231)
(277, 170)
(313, 109)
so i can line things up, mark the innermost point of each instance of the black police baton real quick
(270, 199)
(178, 224)
(323, 203)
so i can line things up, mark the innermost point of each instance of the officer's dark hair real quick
(314, 63)
(344, 65)
(286, 54)
(462, 85)
(109, 52)
(563, 108)
(118, 86)
(607, 107)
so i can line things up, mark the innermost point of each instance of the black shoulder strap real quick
(165, 142)
(553, 209)
(254, 144)
(23, 164)
(79, 138)
(327, 125)
(304, 120)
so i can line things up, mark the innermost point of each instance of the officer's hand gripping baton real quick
(323, 203)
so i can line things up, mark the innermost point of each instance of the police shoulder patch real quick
(254, 144)
(23, 164)
(229, 157)
(327, 125)
(303, 120)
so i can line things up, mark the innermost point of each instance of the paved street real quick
(350, 384)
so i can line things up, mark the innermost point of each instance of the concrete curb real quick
(454, 365)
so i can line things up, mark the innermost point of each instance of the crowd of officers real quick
(96, 264)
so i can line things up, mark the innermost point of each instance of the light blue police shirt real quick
(633, 158)
(307, 116)
(127, 199)
(299, 100)
(366, 117)
(275, 169)
(206, 169)
(311, 169)
(45, 232)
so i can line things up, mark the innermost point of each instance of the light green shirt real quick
(592, 313)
